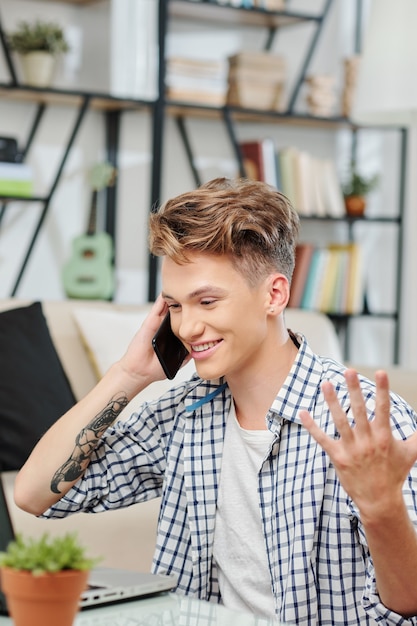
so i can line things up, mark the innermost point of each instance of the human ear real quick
(278, 293)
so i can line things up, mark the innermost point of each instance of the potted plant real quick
(43, 579)
(356, 189)
(38, 44)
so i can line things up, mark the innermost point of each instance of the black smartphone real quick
(170, 351)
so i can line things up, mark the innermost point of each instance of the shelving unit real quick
(82, 101)
(228, 118)
(210, 11)
(207, 11)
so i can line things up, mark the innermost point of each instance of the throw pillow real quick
(34, 389)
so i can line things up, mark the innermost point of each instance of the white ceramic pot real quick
(38, 68)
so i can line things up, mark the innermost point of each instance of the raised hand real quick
(371, 464)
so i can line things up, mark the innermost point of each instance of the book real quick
(269, 156)
(262, 95)
(314, 279)
(328, 287)
(303, 182)
(356, 281)
(303, 255)
(332, 190)
(259, 160)
(318, 201)
(261, 60)
(286, 167)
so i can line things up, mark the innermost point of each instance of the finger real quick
(357, 401)
(383, 401)
(338, 414)
(160, 306)
(156, 315)
(327, 443)
(316, 432)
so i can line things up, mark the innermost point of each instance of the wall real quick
(89, 67)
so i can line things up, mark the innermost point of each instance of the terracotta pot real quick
(41, 600)
(38, 68)
(355, 205)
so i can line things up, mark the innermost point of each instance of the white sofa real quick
(125, 538)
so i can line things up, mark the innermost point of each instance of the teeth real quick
(204, 346)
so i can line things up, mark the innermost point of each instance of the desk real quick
(165, 610)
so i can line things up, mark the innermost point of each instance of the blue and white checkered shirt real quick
(320, 566)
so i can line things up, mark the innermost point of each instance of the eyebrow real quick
(199, 292)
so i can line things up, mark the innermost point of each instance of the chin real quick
(208, 373)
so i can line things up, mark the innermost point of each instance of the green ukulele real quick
(89, 273)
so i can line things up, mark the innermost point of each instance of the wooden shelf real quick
(210, 11)
(239, 114)
(66, 97)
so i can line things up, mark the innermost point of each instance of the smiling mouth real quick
(204, 346)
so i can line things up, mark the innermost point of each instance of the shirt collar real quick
(302, 385)
(298, 392)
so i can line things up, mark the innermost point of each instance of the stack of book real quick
(198, 81)
(321, 97)
(328, 279)
(257, 80)
(351, 69)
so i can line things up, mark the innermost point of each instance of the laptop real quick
(106, 585)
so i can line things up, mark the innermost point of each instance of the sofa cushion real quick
(107, 334)
(318, 330)
(34, 389)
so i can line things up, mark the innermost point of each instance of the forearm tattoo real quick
(86, 442)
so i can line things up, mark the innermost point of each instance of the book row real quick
(328, 279)
(310, 182)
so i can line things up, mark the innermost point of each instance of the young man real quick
(288, 483)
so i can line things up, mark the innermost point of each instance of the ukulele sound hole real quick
(88, 254)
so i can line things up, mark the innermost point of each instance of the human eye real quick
(173, 306)
(208, 301)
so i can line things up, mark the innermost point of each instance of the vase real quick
(355, 206)
(51, 598)
(38, 68)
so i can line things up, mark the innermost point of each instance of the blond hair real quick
(248, 220)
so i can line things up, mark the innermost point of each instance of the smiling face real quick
(222, 320)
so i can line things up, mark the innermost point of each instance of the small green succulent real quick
(38, 36)
(46, 554)
(358, 185)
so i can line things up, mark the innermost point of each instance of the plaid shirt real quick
(320, 566)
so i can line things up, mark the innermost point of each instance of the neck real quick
(255, 391)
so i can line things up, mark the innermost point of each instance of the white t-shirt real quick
(239, 548)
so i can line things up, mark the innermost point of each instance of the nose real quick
(190, 325)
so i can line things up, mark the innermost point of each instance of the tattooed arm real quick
(63, 453)
(85, 443)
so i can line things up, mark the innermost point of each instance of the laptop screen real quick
(6, 535)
